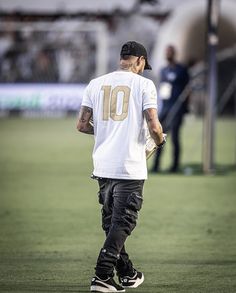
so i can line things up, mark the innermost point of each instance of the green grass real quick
(50, 231)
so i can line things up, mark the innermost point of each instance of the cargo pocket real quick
(134, 201)
(133, 205)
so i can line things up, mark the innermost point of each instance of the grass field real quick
(50, 231)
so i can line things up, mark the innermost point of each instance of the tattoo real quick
(89, 130)
(84, 121)
(154, 126)
(126, 66)
(85, 114)
(147, 115)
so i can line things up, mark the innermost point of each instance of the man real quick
(117, 104)
(174, 78)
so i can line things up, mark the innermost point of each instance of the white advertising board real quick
(41, 97)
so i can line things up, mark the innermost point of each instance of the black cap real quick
(133, 48)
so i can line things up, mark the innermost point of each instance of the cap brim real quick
(147, 66)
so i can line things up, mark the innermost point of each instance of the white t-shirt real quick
(118, 100)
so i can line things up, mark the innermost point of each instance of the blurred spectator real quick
(72, 52)
(32, 54)
(173, 80)
(9, 70)
(45, 69)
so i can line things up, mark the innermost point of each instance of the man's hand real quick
(151, 147)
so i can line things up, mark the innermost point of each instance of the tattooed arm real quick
(83, 124)
(154, 125)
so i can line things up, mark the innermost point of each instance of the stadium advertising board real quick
(43, 97)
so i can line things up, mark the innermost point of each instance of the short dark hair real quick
(125, 57)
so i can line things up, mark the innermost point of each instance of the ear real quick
(139, 60)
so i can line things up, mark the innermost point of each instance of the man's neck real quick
(128, 68)
(172, 63)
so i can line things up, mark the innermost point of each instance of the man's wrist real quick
(163, 141)
(161, 144)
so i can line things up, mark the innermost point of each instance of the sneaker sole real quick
(136, 284)
(104, 290)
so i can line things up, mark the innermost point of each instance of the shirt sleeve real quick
(149, 95)
(87, 101)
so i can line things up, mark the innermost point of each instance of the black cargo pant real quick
(121, 200)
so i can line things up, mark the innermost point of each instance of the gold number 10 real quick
(110, 102)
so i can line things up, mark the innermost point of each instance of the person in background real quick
(173, 80)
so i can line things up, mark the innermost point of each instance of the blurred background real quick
(70, 42)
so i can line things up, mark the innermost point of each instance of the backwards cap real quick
(133, 48)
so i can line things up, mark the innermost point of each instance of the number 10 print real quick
(110, 102)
